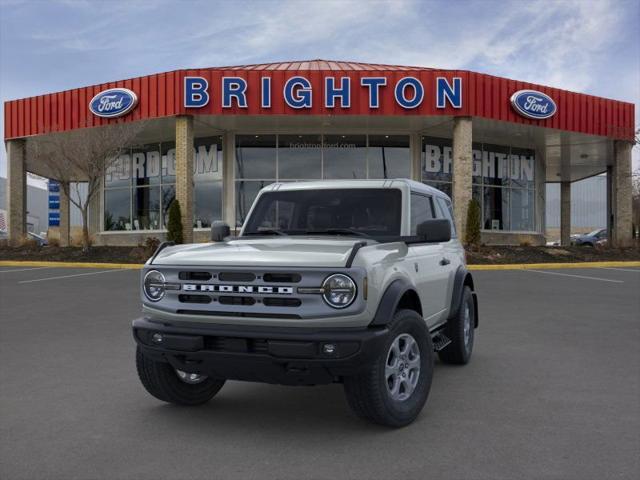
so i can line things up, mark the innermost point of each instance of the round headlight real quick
(339, 290)
(154, 285)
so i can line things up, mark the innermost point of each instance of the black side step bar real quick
(440, 340)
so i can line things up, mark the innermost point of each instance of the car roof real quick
(382, 183)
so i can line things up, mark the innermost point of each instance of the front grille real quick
(194, 298)
(237, 276)
(282, 302)
(282, 277)
(195, 276)
(228, 300)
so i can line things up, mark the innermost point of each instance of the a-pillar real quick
(621, 185)
(462, 171)
(16, 191)
(184, 173)
(565, 213)
(65, 215)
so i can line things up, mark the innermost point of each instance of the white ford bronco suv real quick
(350, 281)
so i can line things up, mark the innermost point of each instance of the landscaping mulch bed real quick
(484, 255)
(75, 254)
(501, 255)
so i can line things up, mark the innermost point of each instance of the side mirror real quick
(219, 231)
(436, 230)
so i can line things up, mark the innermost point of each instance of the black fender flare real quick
(462, 278)
(390, 300)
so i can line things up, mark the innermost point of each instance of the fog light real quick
(329, 348)
(157, 338)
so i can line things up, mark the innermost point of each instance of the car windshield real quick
(594, 233)
(362, 212)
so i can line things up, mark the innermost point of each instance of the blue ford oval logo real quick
(533, 104)
(114, 102)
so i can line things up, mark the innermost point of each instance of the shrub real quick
(472, 235)
(174, 225)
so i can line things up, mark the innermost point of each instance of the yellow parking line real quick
(28, 263)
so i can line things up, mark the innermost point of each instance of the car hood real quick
(284, 252)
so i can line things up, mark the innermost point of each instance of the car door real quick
(431, 276)
(453, 252)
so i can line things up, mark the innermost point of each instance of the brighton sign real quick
(113, 103)
(533, 104)
(298, 93)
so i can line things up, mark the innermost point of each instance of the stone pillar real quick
(16, 191)
(621, 183)
(462, 171)
(565, 213)
(228, 179)
(184, 173)
(65, 215)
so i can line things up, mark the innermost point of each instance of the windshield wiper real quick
(268, 231)
(337, 231)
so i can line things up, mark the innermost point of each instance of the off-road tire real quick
(367, 393)
(161, 380)
(458, 352)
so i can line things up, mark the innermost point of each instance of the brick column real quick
(16, 191)
(462, 171)
(565, 213)
(65, 216)
(228, 179)
(621, 235)
(416, 156)
(184, 173)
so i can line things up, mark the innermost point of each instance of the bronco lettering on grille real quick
(191, 287)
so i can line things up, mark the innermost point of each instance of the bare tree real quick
(84, 156)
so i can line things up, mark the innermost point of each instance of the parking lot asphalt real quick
(552, 391)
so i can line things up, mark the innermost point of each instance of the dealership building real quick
(212, 138)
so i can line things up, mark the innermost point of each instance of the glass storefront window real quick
(496, 208)
(117, 209)
(168, 162)
(522, 167)
(118, 174)
(207, 160)
(345, 156)
(168, 194)
(145, 165)
(208, 203)
(145, 204)
(436, 159)
(521, 210)
(500, 175)
(256, 156)
(389, 156)
(299, 156)
(146, 208)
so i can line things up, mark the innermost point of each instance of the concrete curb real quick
(510, 266)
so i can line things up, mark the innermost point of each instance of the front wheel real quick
(394, 388)
(175, 386)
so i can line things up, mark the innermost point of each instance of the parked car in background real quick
(591, 239)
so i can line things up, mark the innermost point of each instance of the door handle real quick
(445, 261)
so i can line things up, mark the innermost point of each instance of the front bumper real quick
(282, 355)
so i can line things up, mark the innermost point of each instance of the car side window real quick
(447, 212)
(421, 210)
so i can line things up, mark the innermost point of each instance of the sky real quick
(590, 46)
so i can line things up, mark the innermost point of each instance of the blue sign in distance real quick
(54, 187)
(113, 103)
(54, 219)
(533, 104)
